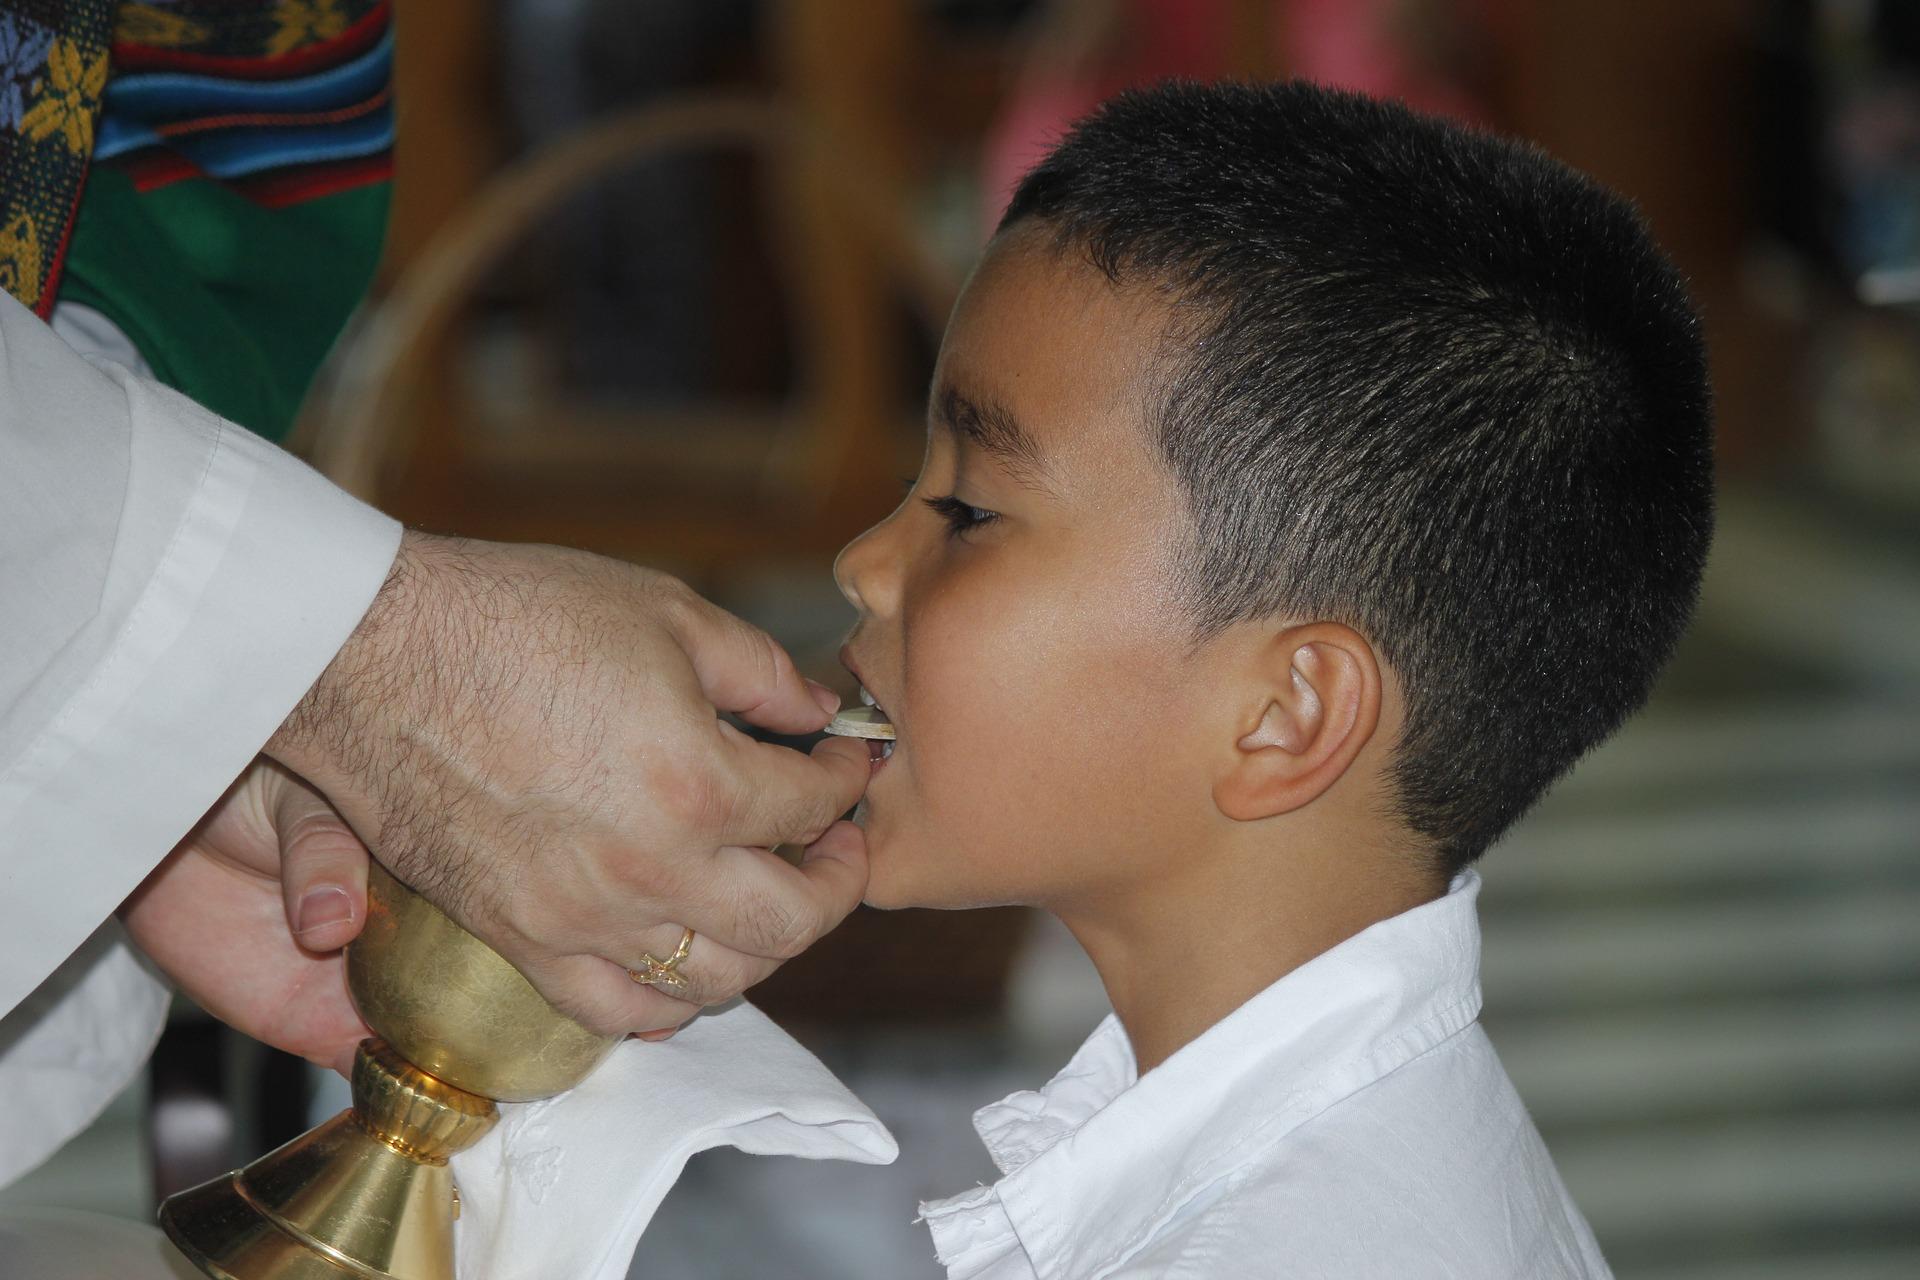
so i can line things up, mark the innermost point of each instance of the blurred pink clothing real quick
(1347, 43)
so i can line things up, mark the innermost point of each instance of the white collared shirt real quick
(1350, 1122)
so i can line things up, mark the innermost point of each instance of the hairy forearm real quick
(357, 734)
(467, 677)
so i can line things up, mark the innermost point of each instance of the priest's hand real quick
(528, 736)
(248, 914)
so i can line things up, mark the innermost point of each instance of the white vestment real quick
(170, 585)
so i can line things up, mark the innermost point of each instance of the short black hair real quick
(1431, 383)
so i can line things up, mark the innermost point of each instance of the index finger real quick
(744, 670)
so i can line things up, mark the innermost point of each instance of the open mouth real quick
(869, 721)
(878, 748)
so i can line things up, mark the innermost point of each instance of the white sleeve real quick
(170, 585)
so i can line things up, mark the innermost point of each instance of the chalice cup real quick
(368, 1194)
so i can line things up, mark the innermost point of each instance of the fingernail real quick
(829, 700)
(319, 907)
(655, 1037)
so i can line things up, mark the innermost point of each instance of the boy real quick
(1308, 485)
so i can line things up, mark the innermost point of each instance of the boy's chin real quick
(884, 894)
(888, 889)
(903, 872)
(921, 901)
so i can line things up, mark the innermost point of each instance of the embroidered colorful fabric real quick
(283, 100)
(53, 68)
(241, 156)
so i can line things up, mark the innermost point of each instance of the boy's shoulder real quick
(1352, 1120)
(1433, 1169)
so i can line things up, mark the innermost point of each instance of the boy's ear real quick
(1312, 702)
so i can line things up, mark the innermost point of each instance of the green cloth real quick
(234, 304)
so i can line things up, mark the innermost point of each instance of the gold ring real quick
(664, 973)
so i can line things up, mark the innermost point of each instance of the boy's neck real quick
(1178, 957)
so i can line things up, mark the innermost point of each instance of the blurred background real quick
(664, 279)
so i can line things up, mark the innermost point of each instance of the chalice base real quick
(335, 1202)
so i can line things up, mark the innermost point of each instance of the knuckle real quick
(806, 820)
(672, 599)
(661, 584)
(774, 927)
(688, 792)
(320, 833)
(779, 666)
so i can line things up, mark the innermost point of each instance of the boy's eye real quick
(959, 516)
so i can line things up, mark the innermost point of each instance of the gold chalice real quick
(368, 1193)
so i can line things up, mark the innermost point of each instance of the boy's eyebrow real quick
(993, 427)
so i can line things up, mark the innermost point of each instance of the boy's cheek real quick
(953, 828)
(1030, 735)
(1017, 818)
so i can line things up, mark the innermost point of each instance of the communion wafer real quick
(861, 722)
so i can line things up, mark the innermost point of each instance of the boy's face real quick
(1024, 638)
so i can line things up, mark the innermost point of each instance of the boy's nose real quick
(867, 574)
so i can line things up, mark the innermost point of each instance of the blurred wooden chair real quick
(703, 490)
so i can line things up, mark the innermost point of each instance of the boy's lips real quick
(870, 720)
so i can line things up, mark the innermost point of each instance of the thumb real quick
(744, 670)
(323, 870)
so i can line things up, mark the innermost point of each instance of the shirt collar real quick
(1098, 1158)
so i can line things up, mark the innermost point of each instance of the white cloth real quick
(64, 1244)
(170, 585)
(1350, 1122)
(565, 1187)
